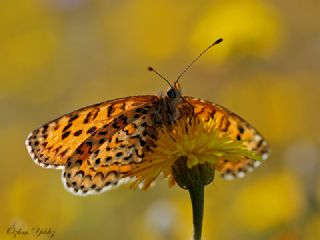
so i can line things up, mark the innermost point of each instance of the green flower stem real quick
(194, 180)
(196, 193)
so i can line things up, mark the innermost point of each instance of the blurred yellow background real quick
(60, 55)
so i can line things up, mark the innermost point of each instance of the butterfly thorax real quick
(171, 106)
(168, 111)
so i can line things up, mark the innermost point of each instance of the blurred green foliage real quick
(60, 55)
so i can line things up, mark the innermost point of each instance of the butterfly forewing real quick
(237, 129)
(53, 143)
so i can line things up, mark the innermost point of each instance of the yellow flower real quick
(194, 142)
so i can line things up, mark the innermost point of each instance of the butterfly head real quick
(174, 92)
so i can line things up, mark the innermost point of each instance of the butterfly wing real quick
(53, 143)
(103, 160)
(237, 129)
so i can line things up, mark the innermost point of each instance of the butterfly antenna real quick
(152, 70)
(186, 69)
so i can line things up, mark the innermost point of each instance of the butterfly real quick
(97, 146)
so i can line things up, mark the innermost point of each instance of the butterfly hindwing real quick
(53, 143)
(102, 161)
(237, 129)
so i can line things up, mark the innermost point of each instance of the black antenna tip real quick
(218, 41)
(150, 69)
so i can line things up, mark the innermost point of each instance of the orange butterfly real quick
(97, 146)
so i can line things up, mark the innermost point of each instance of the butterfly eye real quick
(171, 93)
